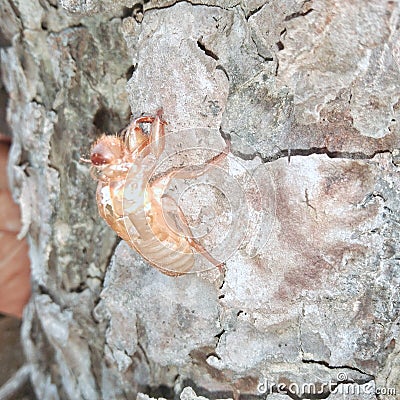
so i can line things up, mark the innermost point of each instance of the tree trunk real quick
(304, 212)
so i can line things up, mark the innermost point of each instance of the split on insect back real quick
(138, 183)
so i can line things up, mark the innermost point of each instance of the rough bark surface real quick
(305, 211)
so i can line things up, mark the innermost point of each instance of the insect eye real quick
(99, 159)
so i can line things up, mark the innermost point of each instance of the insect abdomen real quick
(170, 257)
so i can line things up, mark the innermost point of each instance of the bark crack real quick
(298, 14)
(220, 67)
(361, 381)
(161, 7)
(253, 12)
(265, 58)
(218, 336)
(206, 51)
(288, 153)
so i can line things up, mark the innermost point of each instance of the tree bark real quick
(304, 212)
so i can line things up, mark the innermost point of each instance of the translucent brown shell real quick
(133, 202)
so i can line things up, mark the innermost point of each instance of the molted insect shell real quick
(134, 205)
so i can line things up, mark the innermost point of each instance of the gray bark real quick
(305, 212)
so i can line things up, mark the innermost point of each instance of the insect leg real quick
(157, 134)
(195, 171)
(137, 140)
(190, 172)
(175, 215)
(134, 137)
